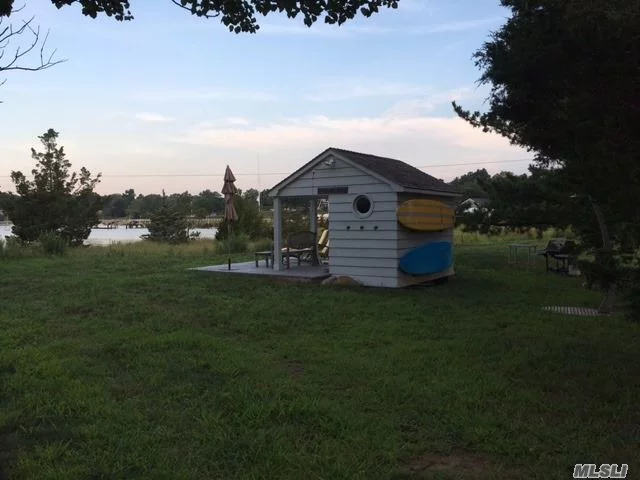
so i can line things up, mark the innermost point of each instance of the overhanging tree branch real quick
(13, 62)
(17, 59)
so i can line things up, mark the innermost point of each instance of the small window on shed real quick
(362, 206)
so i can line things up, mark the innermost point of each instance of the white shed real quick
(364, 193)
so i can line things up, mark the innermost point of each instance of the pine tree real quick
(56, 200)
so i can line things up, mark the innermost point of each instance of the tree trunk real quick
(606, 306)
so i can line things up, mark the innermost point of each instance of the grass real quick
(118, 362)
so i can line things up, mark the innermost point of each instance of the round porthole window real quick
(362, 206)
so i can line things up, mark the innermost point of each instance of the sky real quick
(167, 100)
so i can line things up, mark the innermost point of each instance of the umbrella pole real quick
(229, 244)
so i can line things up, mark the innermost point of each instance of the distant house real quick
(364, 194)
(472, 204)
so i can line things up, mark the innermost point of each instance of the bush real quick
(52, 243)
(11, 247)
(262, 245)
(250, 221)
(235, 244)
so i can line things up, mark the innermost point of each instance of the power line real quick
(220, 175)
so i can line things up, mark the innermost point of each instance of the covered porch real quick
(295, 247)
(302, 274)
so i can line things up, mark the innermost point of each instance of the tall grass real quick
(460, 237)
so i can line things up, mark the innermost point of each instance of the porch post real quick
(313, 224)
(313, 215)
(277, 234)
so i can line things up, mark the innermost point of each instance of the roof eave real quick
(431, 192)
(330, 151)
(273, 192)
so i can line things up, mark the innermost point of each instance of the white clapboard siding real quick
(360, 252)
(365, 223)
(353, 261)
(381, 209)
(368, 244)
(366, 251)
(355, 236)
(340, 175)
(344, 181)
(379, 198)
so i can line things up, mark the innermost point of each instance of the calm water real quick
(102, 236)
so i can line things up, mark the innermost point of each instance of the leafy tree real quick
(182, 202)
(237, 15)
(265, 200)
(5, 199)
(251, 195)
(128, 196)
(56, 200)
(250, 221)
(144, 205)
(471, 184)
(564, 77)
(207, 203)
(114, 206)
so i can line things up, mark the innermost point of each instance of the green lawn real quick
(118, 363)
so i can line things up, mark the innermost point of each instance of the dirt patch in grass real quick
(457, 465)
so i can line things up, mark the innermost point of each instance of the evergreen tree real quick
(56, 200)
(169, 223)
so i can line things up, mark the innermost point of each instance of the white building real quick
(364, 192)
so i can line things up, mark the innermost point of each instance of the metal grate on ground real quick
(576, 311)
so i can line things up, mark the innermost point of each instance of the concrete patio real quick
(302, 273)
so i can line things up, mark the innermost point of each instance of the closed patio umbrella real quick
(229, 190)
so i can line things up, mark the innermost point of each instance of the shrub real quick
(250, 221)
(52, 243)
(12, 247)
(235, 244)
(262, 245)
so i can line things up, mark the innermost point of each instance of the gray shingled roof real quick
(397, 172)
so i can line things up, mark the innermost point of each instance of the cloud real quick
(419, 140)
(153, 117)
(419, 98)
(238, 121)
(422, 105)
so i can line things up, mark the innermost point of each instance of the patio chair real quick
(323, 247)
(302, 246)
